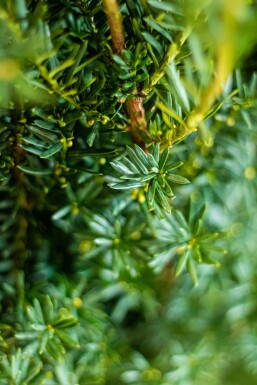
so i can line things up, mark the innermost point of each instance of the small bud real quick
(62, 179)
(77, 302)
(104, 119)
(91, 122)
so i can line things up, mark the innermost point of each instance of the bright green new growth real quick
(109, 110)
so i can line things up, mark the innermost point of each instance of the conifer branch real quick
(55, 86)
(134, 106)
(198, 114)
(170, 55)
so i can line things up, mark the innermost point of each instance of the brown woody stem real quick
(138, 123)
(134, 106)
(115, 22)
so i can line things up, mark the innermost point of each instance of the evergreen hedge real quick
(109, 110)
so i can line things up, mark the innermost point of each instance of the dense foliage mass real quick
(128, 192)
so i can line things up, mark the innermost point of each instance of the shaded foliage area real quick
(127, 193)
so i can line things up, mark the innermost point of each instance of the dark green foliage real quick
(105, 277)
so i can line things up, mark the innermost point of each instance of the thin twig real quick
(170, 55)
